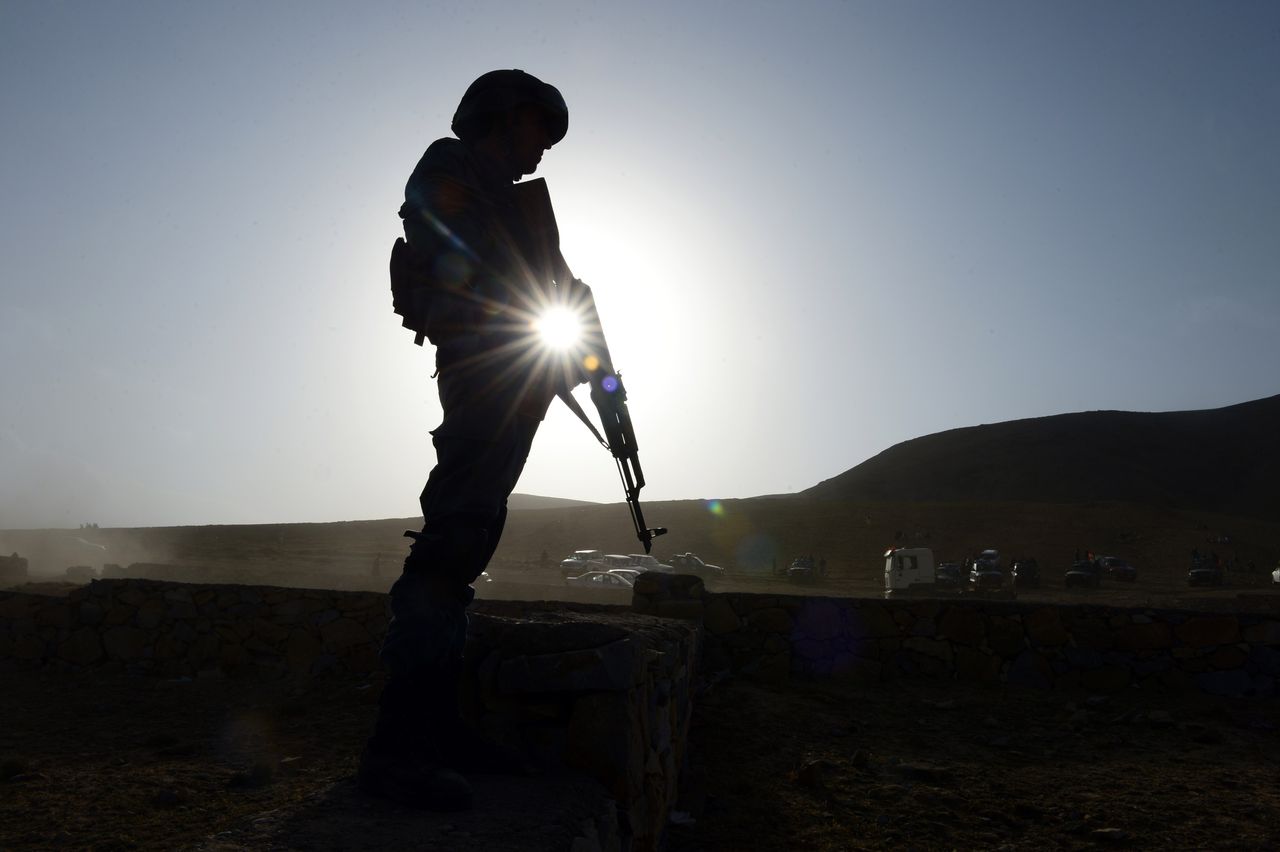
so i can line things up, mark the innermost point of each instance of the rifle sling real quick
(573, 405)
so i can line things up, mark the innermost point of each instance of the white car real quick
(599, 580)
(646, 562)
(578, 561)
(610, 561)
(630, 573)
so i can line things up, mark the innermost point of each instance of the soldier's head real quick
(514, 116)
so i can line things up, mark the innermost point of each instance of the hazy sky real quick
(814, 230)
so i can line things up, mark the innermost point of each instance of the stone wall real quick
(608, 690)
(175, 629)
(601, 690)
(1042, 646)
(604, 691)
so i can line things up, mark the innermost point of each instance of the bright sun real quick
(558, 328)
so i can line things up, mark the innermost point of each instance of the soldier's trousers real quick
(481, 448)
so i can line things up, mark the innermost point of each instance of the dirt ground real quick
(748, 537)
(915, 765)
(114, 761)
(111, 761)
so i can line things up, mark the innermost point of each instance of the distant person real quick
(460, 217)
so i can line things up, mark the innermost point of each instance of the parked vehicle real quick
(1026, 573)
(803, 570)
(1204, 572)
(578, 561)
(610, 561)
(81, 574)
(949, 575)
(1118, 569)
(691, 563)
(648, 562)
(629, 573)
(599, 580)
(13, 569)
(910, 571)
(986, 573)
(1084, 574)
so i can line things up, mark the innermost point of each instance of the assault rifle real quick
(541, 249)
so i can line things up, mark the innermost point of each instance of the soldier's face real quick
(528, 137)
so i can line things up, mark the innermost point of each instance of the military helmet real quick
(502, 91)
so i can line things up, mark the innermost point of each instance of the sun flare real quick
(558, 328)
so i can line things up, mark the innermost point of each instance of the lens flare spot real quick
(558, 327)
(610, 383)
(591, 363)
(716, 508)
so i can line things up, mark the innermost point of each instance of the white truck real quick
(911, 571)
(691, 563)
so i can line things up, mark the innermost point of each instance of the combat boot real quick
(416, 783)
(468, 751)
(399, 762)
(462, 747)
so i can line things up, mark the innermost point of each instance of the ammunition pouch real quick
(410, 290)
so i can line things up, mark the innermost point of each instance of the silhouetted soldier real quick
(458, 204)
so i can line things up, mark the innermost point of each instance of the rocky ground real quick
(111, 761)
(912, 765)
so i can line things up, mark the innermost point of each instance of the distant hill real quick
(532, 501)
(1223, 460)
